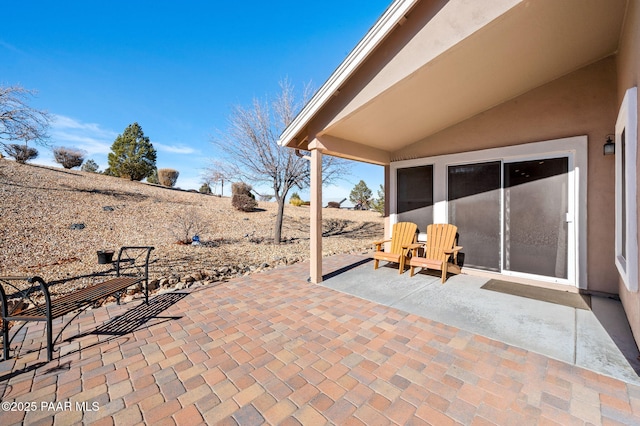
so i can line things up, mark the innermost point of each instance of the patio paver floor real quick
(272, 348)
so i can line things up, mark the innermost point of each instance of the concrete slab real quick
(605, 342)
(599, 340)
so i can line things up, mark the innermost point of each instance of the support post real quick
(316, 213)
(387, 190)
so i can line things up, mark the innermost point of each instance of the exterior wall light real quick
(609, 147)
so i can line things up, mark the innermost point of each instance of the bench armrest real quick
(25, 295)
(137, 253)
(140, 251)
(37, 286)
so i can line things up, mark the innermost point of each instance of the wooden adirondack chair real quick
(438, 251)
(402, 235)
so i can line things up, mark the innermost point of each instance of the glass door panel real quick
(474, 205)
(415, 196)
(535, 217)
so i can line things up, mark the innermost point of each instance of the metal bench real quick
(50, 309)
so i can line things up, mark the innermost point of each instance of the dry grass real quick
(39, 205)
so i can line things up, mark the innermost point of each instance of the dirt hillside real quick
(52, 222)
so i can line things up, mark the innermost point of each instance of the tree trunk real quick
(277, 232)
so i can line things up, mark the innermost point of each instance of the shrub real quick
(242, 199)
(187, 225)
(68, 157)
(243, 203)
(240, 188)
(21, 153)
(90, 166)
(152, 178)
(295, 200)
(205, 189)
(168, 177)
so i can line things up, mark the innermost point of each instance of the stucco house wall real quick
(581, 103)
(628, 66)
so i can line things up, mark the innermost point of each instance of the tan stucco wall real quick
(581, 103)
(629, 76)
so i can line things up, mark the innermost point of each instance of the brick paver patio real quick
(271, 348)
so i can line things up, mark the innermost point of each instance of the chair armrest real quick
(379, 244)
(413, 246)
(453, 250)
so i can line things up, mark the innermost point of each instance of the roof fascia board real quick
(394, 14)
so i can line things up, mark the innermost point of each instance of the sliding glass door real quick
(512, 216)
(474, 207)
(415, 196)
(520, 210)
(535, 217)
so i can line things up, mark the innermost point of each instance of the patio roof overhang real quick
(423, 68)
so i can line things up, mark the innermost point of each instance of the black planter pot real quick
(105, 256)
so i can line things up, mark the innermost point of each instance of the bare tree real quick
(214, 175)
(187, 224)
(19, 121)
(253, 154)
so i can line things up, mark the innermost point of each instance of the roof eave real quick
(394, 15)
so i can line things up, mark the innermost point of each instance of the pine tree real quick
(378, 203)
(90, 166)
(360, 196)
(132, 155)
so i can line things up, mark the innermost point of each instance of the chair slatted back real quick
(402, 234)
(440, 237)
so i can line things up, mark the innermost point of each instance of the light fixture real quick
(609, 147)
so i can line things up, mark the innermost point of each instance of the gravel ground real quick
(39, 206)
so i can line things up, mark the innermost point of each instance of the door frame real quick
(573, 147)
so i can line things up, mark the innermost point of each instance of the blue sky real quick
(175, 68)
